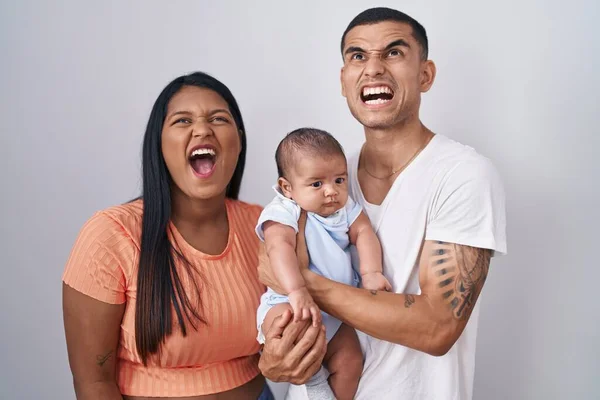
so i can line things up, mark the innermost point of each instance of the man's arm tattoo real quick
(461, 271)
(102, 359)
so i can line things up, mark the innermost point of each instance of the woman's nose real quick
(202, 129)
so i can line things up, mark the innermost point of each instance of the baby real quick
(313, 177)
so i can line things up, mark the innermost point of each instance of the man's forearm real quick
(410, 320)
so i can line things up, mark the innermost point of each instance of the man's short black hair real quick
(382, 14)
(309, 142)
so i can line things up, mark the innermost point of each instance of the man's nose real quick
(374, 66)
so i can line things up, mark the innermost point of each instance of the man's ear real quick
(428, 72)
(285, 186)
(342, 82)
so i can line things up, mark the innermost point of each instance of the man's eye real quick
(357, 56)
(339, 181)
(394, 53)
(316, 184)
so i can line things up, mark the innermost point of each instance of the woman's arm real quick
(92, 330)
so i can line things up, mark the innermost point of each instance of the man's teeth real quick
(376, 101)
(201, 152)
(376, 90)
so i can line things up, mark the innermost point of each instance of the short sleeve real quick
(95, 265)
(281, 211)
(353, 210)
(469, 208)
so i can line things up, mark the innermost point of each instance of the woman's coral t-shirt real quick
(221, 354)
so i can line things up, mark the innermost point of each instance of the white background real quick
(517, 80)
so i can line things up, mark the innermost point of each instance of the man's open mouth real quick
(202, 160)
(376, 95)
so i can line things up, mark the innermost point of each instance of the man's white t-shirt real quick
(448, 193)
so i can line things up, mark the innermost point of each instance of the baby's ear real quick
(285, 186)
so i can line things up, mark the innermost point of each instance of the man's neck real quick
(387, 150)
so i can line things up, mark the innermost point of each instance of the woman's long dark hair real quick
(159, 287)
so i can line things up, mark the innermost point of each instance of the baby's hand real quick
(375, 281)
(304, 306)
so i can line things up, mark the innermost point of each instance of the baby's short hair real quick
(307, 141)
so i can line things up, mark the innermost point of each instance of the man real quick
(438, 209)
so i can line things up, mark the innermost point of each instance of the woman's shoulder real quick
(244, 213)
(128, 214)
(105, 253)
(113, 224)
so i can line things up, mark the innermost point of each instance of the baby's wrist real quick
(298, 291)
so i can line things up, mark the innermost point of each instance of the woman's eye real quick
(316, 184)
(221, 119)
(183, 121)
(339, 181)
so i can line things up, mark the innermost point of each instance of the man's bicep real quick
(452, 276)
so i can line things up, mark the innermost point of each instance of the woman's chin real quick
(207, 193)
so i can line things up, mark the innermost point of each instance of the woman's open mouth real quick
(376, 95)
(202, 160)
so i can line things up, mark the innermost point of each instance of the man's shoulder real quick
(455, 160)
(451, 150)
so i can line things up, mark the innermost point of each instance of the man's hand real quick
(292, 353)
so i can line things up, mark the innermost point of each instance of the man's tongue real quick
(202, 165)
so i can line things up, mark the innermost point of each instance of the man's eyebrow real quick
(354, 49)
(399, 42)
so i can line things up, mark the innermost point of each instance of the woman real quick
(160, 294)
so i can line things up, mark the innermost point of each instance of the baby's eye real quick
(316, 184)
(339, 181)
